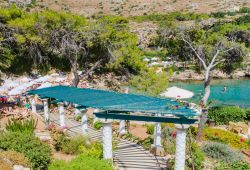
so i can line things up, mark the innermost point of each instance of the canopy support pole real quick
(122, 128)
(84, 121)
(180, 153)
(77, 111)
(61, 113)
(157, 148)
(107, 140)
(33, 104)
(157, 134)
(46, 111)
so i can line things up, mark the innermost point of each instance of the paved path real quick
(128, 156)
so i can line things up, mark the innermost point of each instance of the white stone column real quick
(157, 134)
(180, 153)
(33, 104)
(77, 111)
(122, 127)
(84, 122)
(46, 111)
(107, 140)
(61, 113)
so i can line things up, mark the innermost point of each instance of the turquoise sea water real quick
(237, 93)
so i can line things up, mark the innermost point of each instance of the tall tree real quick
(211, 50)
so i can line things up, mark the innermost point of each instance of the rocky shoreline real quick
(192, 75)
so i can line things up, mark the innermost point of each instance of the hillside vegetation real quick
(47, 40)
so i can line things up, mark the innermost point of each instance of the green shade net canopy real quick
(114, 101)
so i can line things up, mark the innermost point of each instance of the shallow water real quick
(237, 93)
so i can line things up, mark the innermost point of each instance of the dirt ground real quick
(62, 156)
(138, 7)
(138, 130)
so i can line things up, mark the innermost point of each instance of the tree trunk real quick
(75, 73)
(203, 117)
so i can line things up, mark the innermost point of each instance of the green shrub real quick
(22, 126)
(34, 150)
(150, 129)
(130, 137)
(72, 145)
(245, 10)
(82, 162)
(92, 150)
(222, 152)
(147, 82)
(147, 142)
(218, 14)
(232, 166)
(78, 118)
(168, 134)
(243, 20)
(59, 140)
(248, 114)
(223, 115)
(198, 156)
(226, 137)
(98, 125)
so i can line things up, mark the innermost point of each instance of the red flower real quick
(173, 134)
(242, 140)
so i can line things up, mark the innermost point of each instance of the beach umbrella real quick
(176, 92)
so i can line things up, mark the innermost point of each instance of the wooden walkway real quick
(127, 156)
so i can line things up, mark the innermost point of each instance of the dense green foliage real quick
(248, 114)
(232, 166)
(149, 82)
(223, 14)
(147, 142)
(174, 16)
(98, 125)
(169, 135)
(222, 152)
(93, 149)
(38, 153)
(150, 128)
(65, 41)
(73, 145)
(223, 115)
(207, 39)
(198, 157)
(82, 162)
(22, 126)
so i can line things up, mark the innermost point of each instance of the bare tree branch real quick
(91, 69)
(214, 57)
(194, 50)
